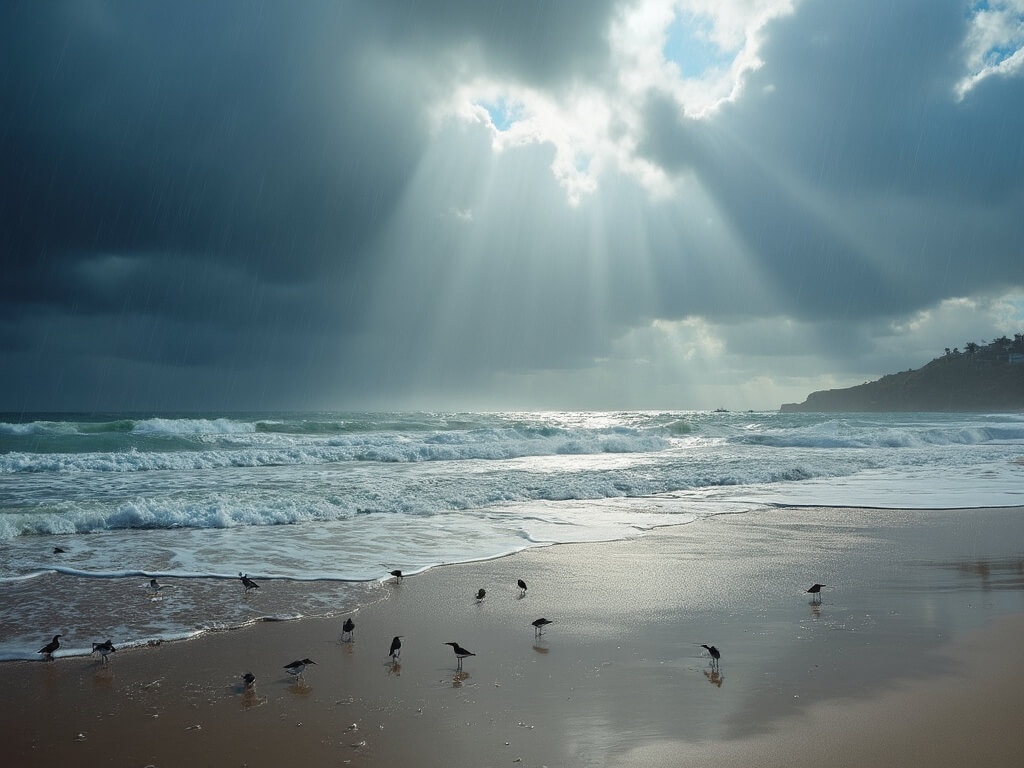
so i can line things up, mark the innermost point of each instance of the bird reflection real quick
(300, 688)
(394, 668)
(815, 610)
(459, 678)
(714, 676)
(541, 649)
(103, 678)
(251, 699)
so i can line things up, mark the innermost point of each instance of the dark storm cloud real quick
(218, 131)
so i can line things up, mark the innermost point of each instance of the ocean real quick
(319, 507)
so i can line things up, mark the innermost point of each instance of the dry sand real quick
(911, 659)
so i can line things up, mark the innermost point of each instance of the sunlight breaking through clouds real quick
(695, 52)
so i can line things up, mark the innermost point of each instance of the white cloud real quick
(994, 45)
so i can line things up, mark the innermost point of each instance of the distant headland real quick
(982, 377)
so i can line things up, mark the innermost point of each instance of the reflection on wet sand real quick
(714, 676)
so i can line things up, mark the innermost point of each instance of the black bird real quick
(296, 668)
(715, 653)
(396, 648)
(538, 626)
(460, 652)
(481, 594)
(348, 628)
(397, 574)
(815, 591)
(155, 585)
(48, 649)
(247, 582)
(59, 550)
(104, 649)
(522, 585)
(249, 679)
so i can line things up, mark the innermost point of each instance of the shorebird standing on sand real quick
(522, 587)
(538, 626)
(155, 585)
(348, 628)
(296, 668)
(249, 680)
(480, 595)
(48, 649)
(460, 652)
(104, 649)
(396, 648)
(397, 573)
(715, 653)
(247, 582)
(815, 592)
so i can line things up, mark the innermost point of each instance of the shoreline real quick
(618, 679)
(365, 592)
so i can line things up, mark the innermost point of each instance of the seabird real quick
(815, 591)
(59, 550)
(538, 626)
(522, 585)
(347, 628)
(397, 573)
(296, 667)
(247, 582)
(481, 594)
(249, 679)
(155, 585)
(715, 653)
(460, 652)
(48, 649)
(104, 649)
(396, 648)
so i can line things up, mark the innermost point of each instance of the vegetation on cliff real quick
(982, 377)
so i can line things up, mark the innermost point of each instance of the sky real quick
(517, 204)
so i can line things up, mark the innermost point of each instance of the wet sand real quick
(911, 659)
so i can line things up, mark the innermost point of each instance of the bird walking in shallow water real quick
(460, 652)
(249, 680)
(348, 628)
(522, 587)
(247, 582)
(397, 573)
(104, 649)
(296, 668)
(396, 648)
(715, 654)
(538, 626)
(48, 649)
(481, 594)
(155, 585)
(815, 592)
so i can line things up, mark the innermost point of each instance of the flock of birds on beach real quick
(297, 667)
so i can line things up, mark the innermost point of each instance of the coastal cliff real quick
(980, 378)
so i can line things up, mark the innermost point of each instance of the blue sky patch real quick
(688, 44)
(502, 113)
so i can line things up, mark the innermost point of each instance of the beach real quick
(910, 659)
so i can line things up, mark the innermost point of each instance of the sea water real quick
(319, 507)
